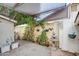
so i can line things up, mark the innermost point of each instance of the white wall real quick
(6, 31)
(67, 44)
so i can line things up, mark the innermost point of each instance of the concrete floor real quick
(32, 49)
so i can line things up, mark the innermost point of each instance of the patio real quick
(32, 49)
(44, 26)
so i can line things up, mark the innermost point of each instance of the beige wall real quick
(6, 31)
(53, 25)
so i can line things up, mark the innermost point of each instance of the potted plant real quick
(72, 35)
(42, 39)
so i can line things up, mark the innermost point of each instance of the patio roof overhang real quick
(33, 8)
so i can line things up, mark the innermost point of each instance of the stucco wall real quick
(66, 43)
(6, 32)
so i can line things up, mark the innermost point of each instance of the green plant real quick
(42, 38)
(32, 23)
(40, 23)
(12, 13)
(19, 17)
(28, 35)
(1, 9)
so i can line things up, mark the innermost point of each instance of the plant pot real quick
(5, 48)
(72, 36)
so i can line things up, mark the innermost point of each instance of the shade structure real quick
(33, 8)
